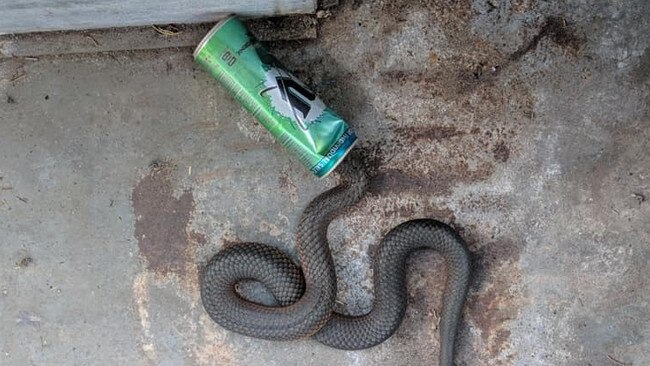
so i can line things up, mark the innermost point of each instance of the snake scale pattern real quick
(305, 295)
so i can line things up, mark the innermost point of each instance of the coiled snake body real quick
(306, 297)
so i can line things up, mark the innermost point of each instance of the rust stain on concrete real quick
(501, 152)
(436, 182)
(161, 222)
(559, 31)
(495, 299)
(461, 119)
(433, 132)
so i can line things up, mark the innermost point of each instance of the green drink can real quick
(286, 107)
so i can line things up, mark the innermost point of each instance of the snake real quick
(305, 294)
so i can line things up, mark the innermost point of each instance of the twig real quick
(436, 317)
(92, 39)
(618, 362)
(166, 30)
(18, 77)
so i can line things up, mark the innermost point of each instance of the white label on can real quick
(291, 98)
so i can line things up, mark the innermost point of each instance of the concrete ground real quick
(523, 123)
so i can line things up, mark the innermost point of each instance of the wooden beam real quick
(21, 16)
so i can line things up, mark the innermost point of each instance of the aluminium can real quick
(286, 107)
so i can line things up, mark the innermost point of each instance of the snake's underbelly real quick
(306, 294)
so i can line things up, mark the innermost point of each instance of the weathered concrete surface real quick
(524, 124)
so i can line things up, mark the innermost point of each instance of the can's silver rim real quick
(212, 31)
(341, 159)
